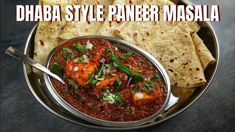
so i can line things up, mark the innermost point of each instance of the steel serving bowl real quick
(37, 84)
(124, 46)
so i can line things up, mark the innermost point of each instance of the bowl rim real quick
(124, 46)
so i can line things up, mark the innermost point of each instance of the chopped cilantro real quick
(93, 79)
(127, 54)
(113, 98)
(79, 60)
(66, 52)
(105, 89)
(74, 85)
(135, 89)
(118, 98)
(156, 77)
(80, 48)
(72, 56)
(138, 69)
(109, 97)
(117, 83)
(56, 69)
(148, 87)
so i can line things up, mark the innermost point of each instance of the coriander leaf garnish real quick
(135, 89)
(66, 52)
(113, 98)
(127, 54)
(79, 60)
(138, 69)
(118, 98)
(74, 85)
(117, 83)
(148, 87)
(57, 69)
(156, 76)
(93, 79)
(109, 97)
(80, 48)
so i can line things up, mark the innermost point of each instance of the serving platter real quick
(37, 85)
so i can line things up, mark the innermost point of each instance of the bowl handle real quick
(173, 100)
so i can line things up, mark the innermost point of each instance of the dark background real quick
(21, 112)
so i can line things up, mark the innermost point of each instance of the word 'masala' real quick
(191, 13)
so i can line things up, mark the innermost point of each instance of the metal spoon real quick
(20, 56)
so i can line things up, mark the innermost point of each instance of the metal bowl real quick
(124, 46)
(37, 85)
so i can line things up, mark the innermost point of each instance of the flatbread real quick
(172, 45)
(183, 93)
(62, 3)
(194, 26)
(46, 37)
(175, 44)
(44, 42)
(110, 28)
(204, 54)
(81, 28)
(186, 71)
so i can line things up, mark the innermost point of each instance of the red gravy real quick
(106, 82)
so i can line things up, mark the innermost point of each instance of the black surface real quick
(21, 112)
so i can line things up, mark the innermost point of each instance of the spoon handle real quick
(20, 56)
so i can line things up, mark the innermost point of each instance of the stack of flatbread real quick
(175, 45)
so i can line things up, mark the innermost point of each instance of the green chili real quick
(122, 67)
(93, 79)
